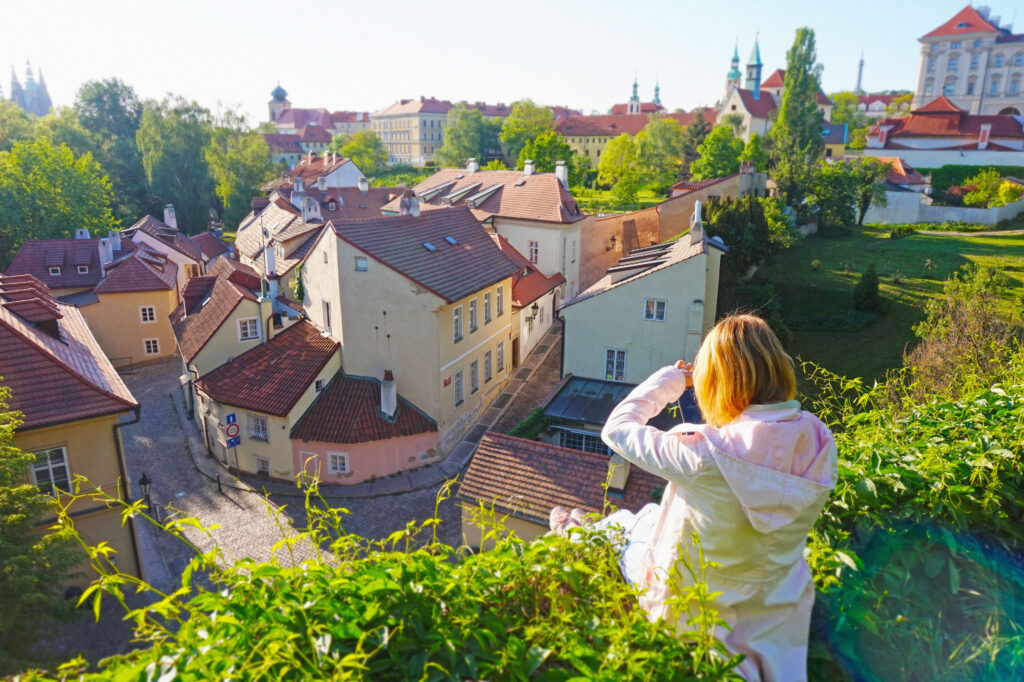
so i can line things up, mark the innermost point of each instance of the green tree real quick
(742, 225)
(865, 294)
(870, 175)
(618, 160)
(719, 155)
(62, 126)
(734, 121)
(46, 193)
(845, 111)
(367, 151)
(545, 150)
(624, 191)
(15, 124)
(833, 193)
(899, 106)
(660, 151)
(693, 136)
(172, 138)
(495, 164)
(33, 565)
(239, 162)
(754, 151)
(796, 136)
(467, 135)
(337, 142)
(526, 123)
(111, 112)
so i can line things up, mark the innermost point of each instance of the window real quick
(256, 427)
(487, 367)
(279, 250)
(361, 264)
(533, 252)
(325, 255)
(931, 64)
(997, 61)
(55, 270)
(472, 316)
(578, 440)
(457, 323)
(654, 309)
(970, 86)
(928, 85)
(955, 45)
(460, 390)
(614, 364)
(192, 270)
(501, 301)
(572, 252)
(994, 89)
(474, 377)
(319, 384)
(1014, 86)
(487, 307)
(262, 466)
(83, 269)
(500, 356)
(148, 313)
(1018, 59)
(327, 316)
(152, 346)
(974, 62)
(954, 63)
(248, 329)
(337, 462)
(977, 43)
(948, 88)
(50, 471)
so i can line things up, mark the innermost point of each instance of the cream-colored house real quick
(650, 310)
(412, 130)
(71, 399)
(164, 237)
(427, 298)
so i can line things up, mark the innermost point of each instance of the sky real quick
(364, 55)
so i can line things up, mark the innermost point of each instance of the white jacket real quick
(751, 490)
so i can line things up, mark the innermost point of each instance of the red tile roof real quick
(762, 107)
(528, 478)
(271, 377)
(539, 197)
(868, 100)
(313, 133)
(56, 371)
(168, 235)
(529, 283)
(286, 143)
(776, 80)
(37, 255)
(140, 270)
(901, 173)
(645, 108)
(431, 105)
(298, 118)
(966, 20)
(685, 186)
(350, 117)
(616, 124)
(211, 245)
(942, 118)
(311, 167)
(226, 285)
(351, 203)
(450, 270)
(348, 411)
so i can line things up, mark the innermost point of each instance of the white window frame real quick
(474, 377)
(340, 458)
(499, 357)
(326, 309)
(459, 388)
(257, 427)
(54, 271)
(243, 324)
(362, 263)
(487, 307)
(83, 269)
(651, 309)
(488, 366)
(49, 484)
(473, 316)
(147, 314)
(319, 385)
(155, 345)
(456, 324)
(534, 248)
(619, 375)
(499, 301)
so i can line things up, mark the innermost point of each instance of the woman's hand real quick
(687, 368)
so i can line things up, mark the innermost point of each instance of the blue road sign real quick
(230, 418)
(234, 442)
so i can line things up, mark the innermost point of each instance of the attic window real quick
(450, 240)
(962, 24)
(55, 270)
(332, 205)
(429, 247)
(83, 269)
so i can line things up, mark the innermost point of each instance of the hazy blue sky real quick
(364, 55)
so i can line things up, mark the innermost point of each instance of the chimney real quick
(106, 254)
(472, 166)
(268, 261)
(170, 219)
(562, 173)
(82, 233)
(528, 167)
(618, 473)
(409, 204)
(115, 240)
(364, 186)
(388, 394)
(983, 135)
(696, 227)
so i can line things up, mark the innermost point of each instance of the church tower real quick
(278, 103)
(754, 71)
(732, 81)
(657, 94)
(33, 98)
(634, 102)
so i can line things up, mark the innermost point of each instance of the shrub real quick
(531, 427)
(898, 231)
(624, 191)
(815, 265)
(1009, 192)
(865, 294)
(985, 192)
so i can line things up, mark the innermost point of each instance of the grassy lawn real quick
(907, 281)
(600, 201)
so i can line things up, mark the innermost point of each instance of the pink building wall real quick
(374, 459)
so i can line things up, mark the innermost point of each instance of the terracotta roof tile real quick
(693, 185)
(287, 143)
(211, 245)
(271, 377)
(942, 118)
(528, 287)
(353, 204)
(645, 108)
(450, 270)
(310, 170)
(966, 20)
(616, 124)
(194, 327)
(37, 255)
(140, 270)
(168, 235)
(314, 133)
(348, 411)
(529, 478)
(762, 107)
(298, 118)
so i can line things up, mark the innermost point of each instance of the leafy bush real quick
(986, 189)
(1009, 192)
(531, 427)
(898, 231)
(865, 294)
(948, 176)
(625, 190)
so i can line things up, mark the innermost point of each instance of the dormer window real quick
(55, 270)
(83, 269)
(333, 205)
(962, 24)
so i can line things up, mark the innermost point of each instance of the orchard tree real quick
(46, 193)
(719, 155)
(367, 151)
(754, 151)
(797, 144)
(525, 124)
(693, 136)
(239, 162)
(15, 124)
(33, 564)
(467, 135)
(660, 151)
(172, 138)
(618, 160)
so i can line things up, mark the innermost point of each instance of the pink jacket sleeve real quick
(674, 457)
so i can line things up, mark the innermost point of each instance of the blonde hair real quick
(741, 363)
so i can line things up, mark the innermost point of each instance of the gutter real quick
(124, 482)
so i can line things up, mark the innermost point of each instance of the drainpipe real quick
(124, 482)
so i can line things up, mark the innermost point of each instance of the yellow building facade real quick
(134, 325)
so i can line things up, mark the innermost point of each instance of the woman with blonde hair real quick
(750, 483)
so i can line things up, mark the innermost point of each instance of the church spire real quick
(754, 70)
(657, 93)
(635, 97)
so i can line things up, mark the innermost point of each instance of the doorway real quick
(515, 354)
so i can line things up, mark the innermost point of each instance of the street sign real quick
(230, 418)
(234, 442)
(231, 430)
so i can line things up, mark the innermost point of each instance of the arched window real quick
(994, 85)
(1014, 87)
(949, 87)
(997, 61)
(1018, 59)
(929, 85)
(1009, 111)
(954, 62)
(971, 85)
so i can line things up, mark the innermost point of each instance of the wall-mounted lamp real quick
(612, 245)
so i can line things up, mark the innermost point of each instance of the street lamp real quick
(145, 484)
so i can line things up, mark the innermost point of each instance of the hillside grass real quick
(911, 270)
(600, 200)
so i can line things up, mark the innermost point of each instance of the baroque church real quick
(33, 98)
